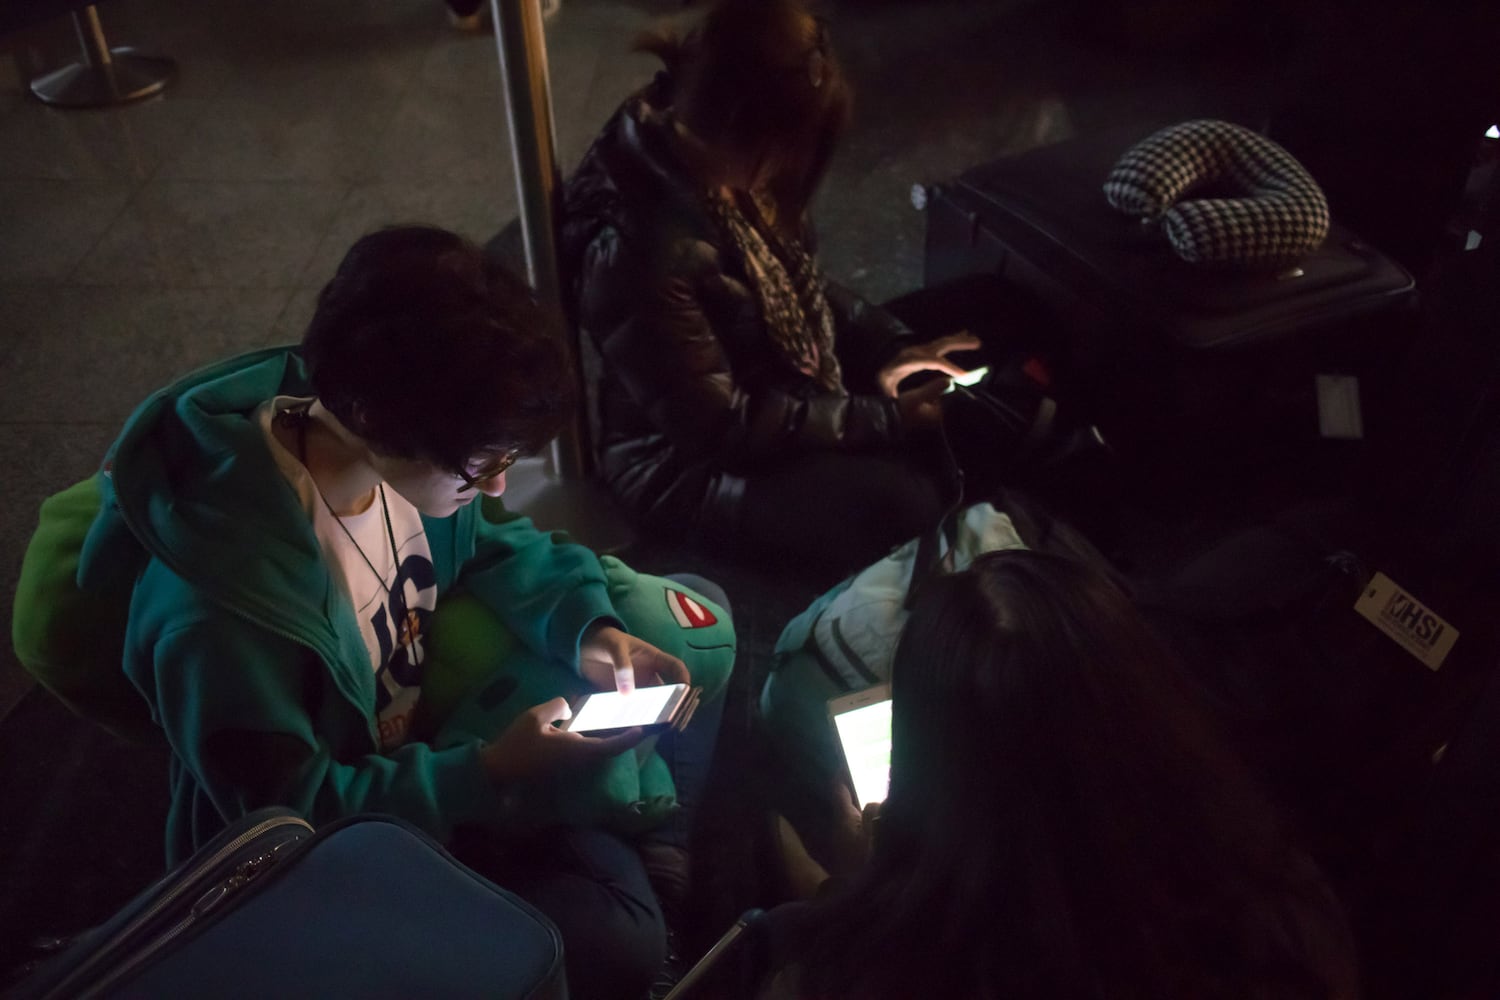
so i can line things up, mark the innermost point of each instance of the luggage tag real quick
(1413, 625)
(1339, 413)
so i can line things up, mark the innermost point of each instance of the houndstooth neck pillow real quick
(1280, 216)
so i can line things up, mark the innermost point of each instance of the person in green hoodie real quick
(304, 510)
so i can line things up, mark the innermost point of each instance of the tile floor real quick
(139, 241)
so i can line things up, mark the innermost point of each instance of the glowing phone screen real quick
(968, 378)
(613, 710)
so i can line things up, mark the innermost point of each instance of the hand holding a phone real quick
(610, 659)
(854, 837)
(531, 746)
(923, 406)
(931, 356)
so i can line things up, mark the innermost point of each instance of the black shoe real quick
(669, 870)
(672, 969)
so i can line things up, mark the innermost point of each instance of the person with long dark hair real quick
(744, 396)
(1063, 820)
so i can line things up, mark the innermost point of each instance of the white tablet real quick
(863, 722)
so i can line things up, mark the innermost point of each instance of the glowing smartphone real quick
(972, 377)
(650, 708)
(863, 722)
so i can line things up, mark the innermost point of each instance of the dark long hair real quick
(1064, 820)
(757, 80)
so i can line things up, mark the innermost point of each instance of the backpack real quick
(851, 630)
(846, 639)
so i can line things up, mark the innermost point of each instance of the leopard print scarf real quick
(789, 288)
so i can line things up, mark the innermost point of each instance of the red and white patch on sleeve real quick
(688, 612)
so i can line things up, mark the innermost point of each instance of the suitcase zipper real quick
(207, 901)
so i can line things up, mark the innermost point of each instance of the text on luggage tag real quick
(1407, 620)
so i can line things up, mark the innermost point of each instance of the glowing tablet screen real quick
(865, 733)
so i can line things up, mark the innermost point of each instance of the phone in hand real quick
(653, 709)
(862, 720)
(969, 378)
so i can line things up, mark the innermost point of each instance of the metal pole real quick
(533, 144)
(91, 38)
(103, 76)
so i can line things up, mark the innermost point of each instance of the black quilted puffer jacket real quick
(693, 396)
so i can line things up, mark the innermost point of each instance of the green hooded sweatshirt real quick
(246, 648)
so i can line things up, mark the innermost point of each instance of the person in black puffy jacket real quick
(743, 395)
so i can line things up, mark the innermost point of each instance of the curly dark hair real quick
(428, 351)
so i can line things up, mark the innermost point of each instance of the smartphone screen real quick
(863, 722)
(645, 706)
(968, 378)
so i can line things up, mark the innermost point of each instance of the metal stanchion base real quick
(126, 77)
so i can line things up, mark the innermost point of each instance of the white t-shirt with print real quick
(393, 592)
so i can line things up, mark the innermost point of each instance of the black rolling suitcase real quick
(1371, 704)
(1173, 354)
(368, 907)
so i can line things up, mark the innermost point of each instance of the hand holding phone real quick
(922, 406)
(531, 746)
(853, 838)
(931, 356)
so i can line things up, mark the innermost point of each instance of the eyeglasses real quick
(486, 472)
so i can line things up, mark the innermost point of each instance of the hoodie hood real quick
(191, 481)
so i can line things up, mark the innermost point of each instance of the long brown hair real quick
(1064, 820)
(757, 80)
